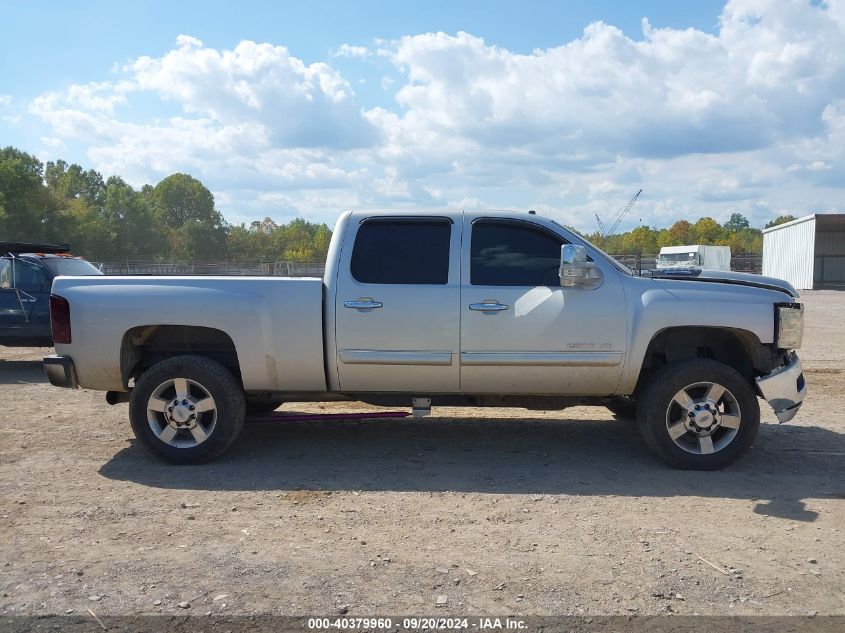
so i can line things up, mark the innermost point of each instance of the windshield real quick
(676, 257)
(66, 266)
(678, 260)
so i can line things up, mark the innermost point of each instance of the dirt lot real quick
(500, 511)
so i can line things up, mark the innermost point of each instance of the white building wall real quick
(788, 252)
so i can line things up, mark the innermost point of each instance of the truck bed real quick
(276, 324)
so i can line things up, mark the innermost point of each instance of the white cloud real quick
(345, 50)
(53, 142)
(299, 105)
(750, 118)
(5, 102)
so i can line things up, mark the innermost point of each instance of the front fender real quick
(657, 305)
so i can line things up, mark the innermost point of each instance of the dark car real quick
(26, 276)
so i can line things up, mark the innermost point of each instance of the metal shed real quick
(808, 252)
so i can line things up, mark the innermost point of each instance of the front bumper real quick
(784, 389)
(60, 371)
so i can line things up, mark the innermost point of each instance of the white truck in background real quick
(695, 256)
(440, 308)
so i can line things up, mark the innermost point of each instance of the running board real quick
(308, 417)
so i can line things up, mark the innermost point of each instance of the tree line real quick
(736, 233)
(107, 219)
(176, 220)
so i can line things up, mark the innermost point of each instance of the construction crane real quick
(602, 229)
(617, 219)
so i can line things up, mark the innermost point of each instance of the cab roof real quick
(30, 248)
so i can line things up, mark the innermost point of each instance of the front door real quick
(521, 332)
(397, 305)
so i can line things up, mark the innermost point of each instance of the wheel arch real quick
(739, 349)
(145, 345)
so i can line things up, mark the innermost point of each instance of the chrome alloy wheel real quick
(181, 413)
(703, 418)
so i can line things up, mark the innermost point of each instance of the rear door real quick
(397, 305)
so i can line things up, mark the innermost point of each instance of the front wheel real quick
(698, 414)
(187, 409)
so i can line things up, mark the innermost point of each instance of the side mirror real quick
(576, 271)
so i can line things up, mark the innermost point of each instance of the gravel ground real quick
(495, 511)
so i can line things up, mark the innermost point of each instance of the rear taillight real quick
(60, 319)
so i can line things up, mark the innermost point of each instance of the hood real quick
(724, 276)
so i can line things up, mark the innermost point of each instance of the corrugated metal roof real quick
(824, 222)
(786, 225)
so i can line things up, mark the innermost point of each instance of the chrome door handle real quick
(488, 307)
(363, 305)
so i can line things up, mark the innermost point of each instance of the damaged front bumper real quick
(784, 389)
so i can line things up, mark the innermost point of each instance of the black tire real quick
(623, 409)
(210, 376)
(655, 416)
(261, 408)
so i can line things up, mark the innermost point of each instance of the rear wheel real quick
(187, 409)
(698, 414)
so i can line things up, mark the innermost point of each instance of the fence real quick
(260, 269)
(740, 263)
(743, 263)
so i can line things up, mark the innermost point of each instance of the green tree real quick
(736, 222)
(128, 223)
(180, 198)
(705, 231)
(642, 240)
(68, 182)
(184, 211)
(680, 231)
(665, 238)
(322, 238)
(28, 209)
(196, 241)
(781, 219)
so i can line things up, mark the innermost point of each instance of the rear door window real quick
(398, 251)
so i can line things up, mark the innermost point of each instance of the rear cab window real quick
(402, 251)
(68, 266)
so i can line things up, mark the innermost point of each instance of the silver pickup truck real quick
(443, 308)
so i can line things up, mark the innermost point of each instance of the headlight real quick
(789, 322)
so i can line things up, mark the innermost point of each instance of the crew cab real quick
(436, 308)
(26, 274)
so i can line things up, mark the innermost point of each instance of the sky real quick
(307, 109)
